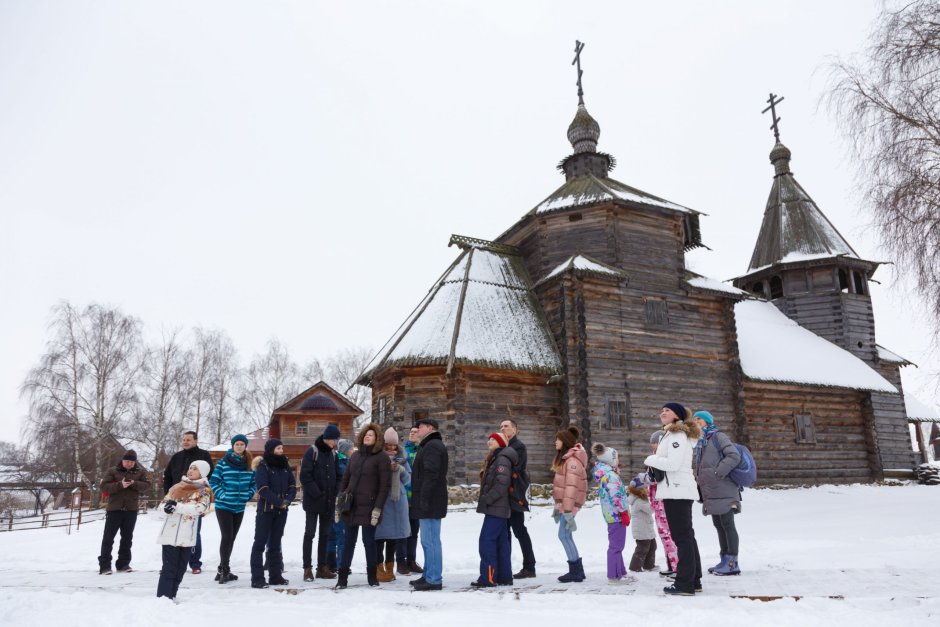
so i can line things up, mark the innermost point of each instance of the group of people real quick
(393, 494)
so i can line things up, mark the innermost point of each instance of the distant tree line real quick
(98, 381)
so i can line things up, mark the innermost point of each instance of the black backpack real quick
(519, 489)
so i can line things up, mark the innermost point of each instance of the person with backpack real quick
(494, 544)
(233, 484)
(659, 515)
(715, 457)
(319, 477)
(677, 490)
(613, 499)
(569, 490)
(518, 501)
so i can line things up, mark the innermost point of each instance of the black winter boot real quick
(575, 573)
(371, 576)
(413, 567)
(275, 570)
(342, 579)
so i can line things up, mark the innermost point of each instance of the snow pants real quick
(495, 551)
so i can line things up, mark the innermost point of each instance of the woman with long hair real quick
(233, 483)
(677, 490)
(495, 479)
(569, 490)
(367, 478)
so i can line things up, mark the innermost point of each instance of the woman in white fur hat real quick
(184, 504)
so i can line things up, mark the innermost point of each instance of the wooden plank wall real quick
(841, 453)
(892, 434)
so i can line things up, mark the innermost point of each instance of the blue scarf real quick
(703, 440)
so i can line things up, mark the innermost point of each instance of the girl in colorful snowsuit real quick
(184, 504)
(613, 499)
(643, 529)
(569, 489)
(494, 544)
(659, 515)
(233, 484)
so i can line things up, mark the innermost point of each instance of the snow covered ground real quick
(854, 555)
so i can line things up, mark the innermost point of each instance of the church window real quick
(776, 287)
(656, 313)
(301, 428)
(843, 281)
(616, 414)
(859, 282)
(805, 430)
(574, 217)
(758, 288)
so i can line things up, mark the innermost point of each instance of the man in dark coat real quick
(124, 484)
(429, 500)
(319, 476)
(518, 503)
(174, 473)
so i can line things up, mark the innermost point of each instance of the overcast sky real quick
(295, 169)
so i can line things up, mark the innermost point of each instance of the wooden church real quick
(583, 312)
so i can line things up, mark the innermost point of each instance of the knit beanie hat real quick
(202, 466)
(239, 437)
(271, 444)
(704, 415)
(331, 432)
(345, 447)
(130, 455)
(606, 454)
(678, 409)
(391, 436)
(501, 440)
(639, 481)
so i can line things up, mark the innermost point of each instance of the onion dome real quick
(584, 131)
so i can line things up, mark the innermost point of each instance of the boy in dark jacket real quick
(319, 476)
(124, 484)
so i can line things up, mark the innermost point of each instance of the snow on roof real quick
(775, 348)
(714, 285)
(590, 190)
(885, 355)
(919, 411)
(481, 311)
(585, 264)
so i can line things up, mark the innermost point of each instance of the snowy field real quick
(837, 555)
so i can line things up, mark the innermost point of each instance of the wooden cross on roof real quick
(578, 47)
(774, 100)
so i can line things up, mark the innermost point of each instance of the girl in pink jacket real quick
(569, 489)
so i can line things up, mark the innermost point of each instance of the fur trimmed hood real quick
(379, 438)
(689, 427)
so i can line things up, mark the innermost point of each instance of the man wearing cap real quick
(319, 476)
(124, 484)
(429, 501)
(175, 471)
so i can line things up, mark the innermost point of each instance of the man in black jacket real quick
(519, 505)
(174, 472)
(319, 476)
(429, 501)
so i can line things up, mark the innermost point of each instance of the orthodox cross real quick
(774, 100)
(578, 47)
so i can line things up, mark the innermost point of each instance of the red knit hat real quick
(500, 439)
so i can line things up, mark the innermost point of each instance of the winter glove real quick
(376, 513)
(170, 507)
(625, 519)
(569, 520)
(556, 516)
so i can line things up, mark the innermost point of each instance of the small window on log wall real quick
(418, 414)
(805, 431)
(301, 428)
(656, 312)
(383, 402)
(616, 414)
(776, 287)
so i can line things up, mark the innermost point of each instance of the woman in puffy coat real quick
(391, 535)
(569, 489)
(715, 457)
(184, 504)
(368, 478)
(233, 484)
(495, 546)
(677, 490)
(276, 491)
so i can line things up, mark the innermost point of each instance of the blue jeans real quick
(430, 535)
(195, 556)
(567, 541)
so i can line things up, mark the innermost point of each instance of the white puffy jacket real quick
(674, 455)
(180, 528)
